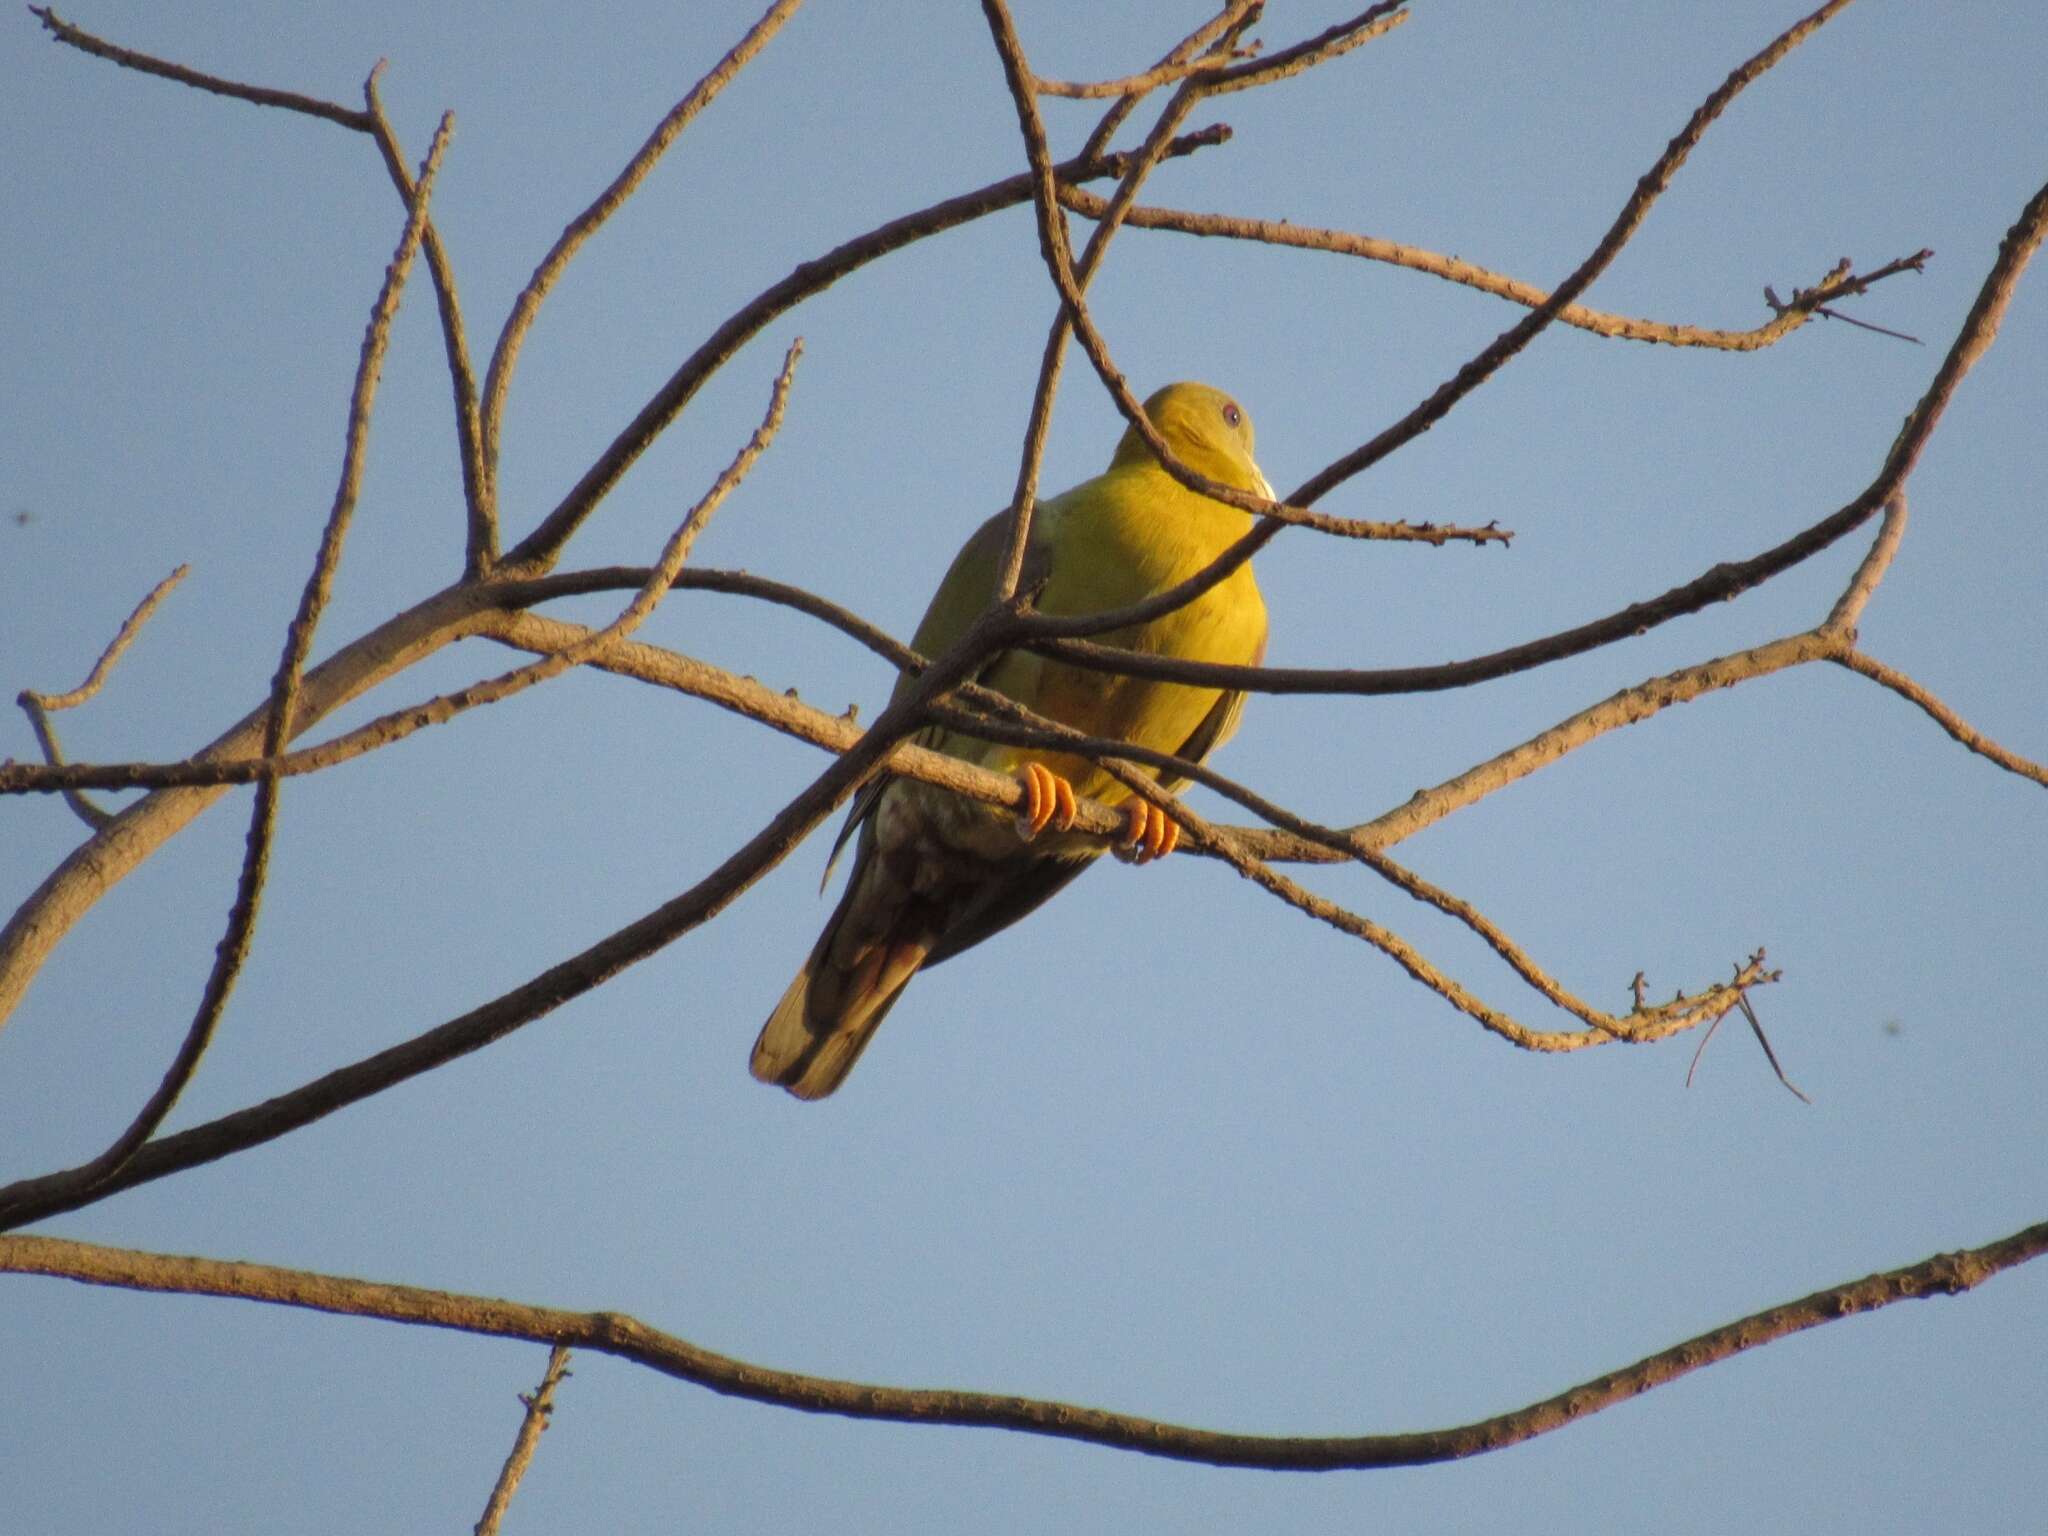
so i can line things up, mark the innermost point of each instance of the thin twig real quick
(1138, 84)
(1330, 43)
(1756, 1028)
(53, 757)
(615, 1333)
(527, 306)
(541, 548)
(1052, 227)
(480, 510)
(262, 96)
(1787, 318)
(540, 1408)
(233, 949)
(1229, 16)
(1941, 714)
(123, 638)
(39, 706)
(1848, 610)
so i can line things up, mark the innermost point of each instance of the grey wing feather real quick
(1005, 900)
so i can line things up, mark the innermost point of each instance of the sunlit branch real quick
(479, 513)
(997, 718)
(262, 96)
(1786, 319)
(614, 1333)
(40, 706)
(233, 950)
(540, 549)
(1957, 727)
(1052, 227)
(540, 1408)
(527, 306)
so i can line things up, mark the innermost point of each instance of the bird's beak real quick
(1264, 486)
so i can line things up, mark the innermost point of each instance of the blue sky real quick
(1168, 1147)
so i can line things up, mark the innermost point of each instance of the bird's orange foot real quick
(1149, 833)
(1048, 802)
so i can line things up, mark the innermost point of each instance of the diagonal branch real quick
(233, 949)
(540, 1408)
(481, 541)
(31, 1200)
(1502, 348)
(1234, 18)
(614, 1333)
(527, 306)
(1956, 726)
(1786, 319)
(1012, 724)
(538, 551)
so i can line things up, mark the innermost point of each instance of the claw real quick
(1150, 833)
(1048, 802)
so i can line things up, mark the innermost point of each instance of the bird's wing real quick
(970, 581)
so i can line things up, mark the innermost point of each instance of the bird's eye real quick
(1232, 414)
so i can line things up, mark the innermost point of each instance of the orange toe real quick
(1149, 833)
(1048, 802)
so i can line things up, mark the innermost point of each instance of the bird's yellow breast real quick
(1117, 540)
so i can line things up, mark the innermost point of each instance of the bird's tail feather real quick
(830, 1012)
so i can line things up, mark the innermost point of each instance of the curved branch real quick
(233, 949)
(1786, 319)
(538, 551)
(40, 706)
(527, 306)
(1496, 353)
(614, 1333)
(1235, 17)
(1012, 724)
(1956, 726)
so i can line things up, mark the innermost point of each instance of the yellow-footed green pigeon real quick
(935, 873)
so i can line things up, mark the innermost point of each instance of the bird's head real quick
(1207, 431)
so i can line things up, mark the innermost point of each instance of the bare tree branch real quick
(40, 706)
(480, 513)
(1024, 499)
(1787, 318)
(1138, 84)
(233, 949)
(262, 96)
(1956, 726)
(540, 1408)
(527, 306)
(537, 552)
(614, 1333)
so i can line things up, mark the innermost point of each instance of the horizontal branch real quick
(262, 96)
(614, 1333)
(1786, 318)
